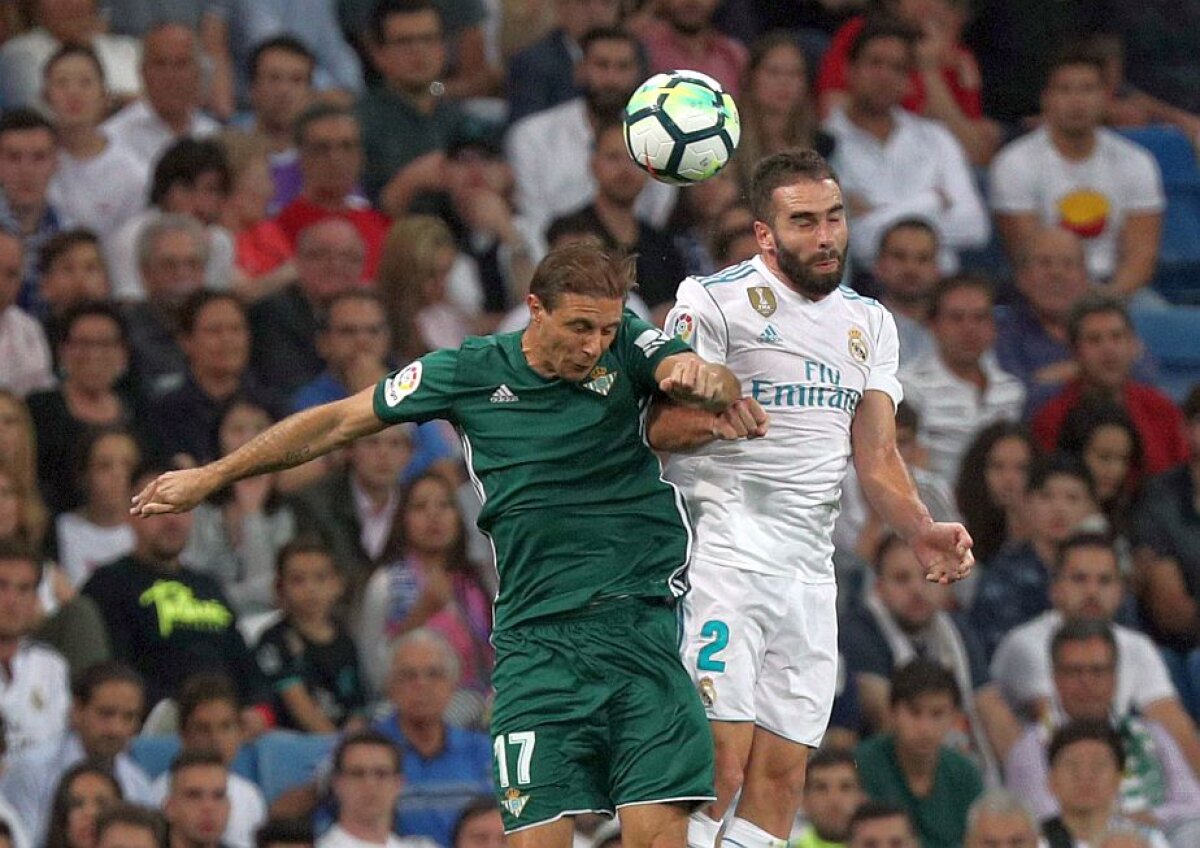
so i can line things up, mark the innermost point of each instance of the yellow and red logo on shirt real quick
(1084, 212)
(684, 327)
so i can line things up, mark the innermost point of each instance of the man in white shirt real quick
(197, 805)
(1073, 173)
(906, 270)
(171, 108)
(34, 679)
(959, 388)
(23, 346)
(760, 625)
(551, 151)
(893, 164)
(367, 780)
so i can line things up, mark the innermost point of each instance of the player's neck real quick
(1074, 146)
(536, 359)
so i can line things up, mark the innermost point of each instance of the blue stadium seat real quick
(287, 759)
(154, 755)
(1172, 150)
(1173, 338)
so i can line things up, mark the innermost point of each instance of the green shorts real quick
(595, 712)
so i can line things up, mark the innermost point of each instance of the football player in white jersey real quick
(760, 623)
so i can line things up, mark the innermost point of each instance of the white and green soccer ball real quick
(681, 127)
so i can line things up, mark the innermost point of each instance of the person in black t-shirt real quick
(308, 657)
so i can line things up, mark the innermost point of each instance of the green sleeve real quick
(420, 391)
(641, 347)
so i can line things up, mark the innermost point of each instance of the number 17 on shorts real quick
(515, 748)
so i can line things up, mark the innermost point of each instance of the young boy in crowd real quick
(831, 795)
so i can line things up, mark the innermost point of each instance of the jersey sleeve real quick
(420, 391)
(886, 360)
(698, 320)
(642, 346)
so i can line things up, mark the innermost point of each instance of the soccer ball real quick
(681, 127)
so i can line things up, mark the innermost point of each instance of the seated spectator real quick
(71, 271)
(197, 805)
(34, 703)
(1100, 435)
(618, 184)
(209, 724)
(998, 820)
(431, 584)
(105, 716)
(98, 531)
(85, 792)
(331, 162)
(130, 826)
(365, 810)
(308, 656)
(23, 58)
(959, 388)
(1166, 539)
(906, 273)
(284, 833)
(990, 491)
(1015, 585)
(169, 621)
(173, 85)
(354, 340)
(943, 85)
(238, 531)
(1073, 173)
(18, 461)
(550, 151)
(98, 184)
(1090, 667)
(876, 823)
(190, 178)
(902, 617)
(1086, 758)
(912, 767)
(172, 252)
(215, 337)
(1104, 345)
(329, 262)
(27, 163)
(543, 74)
(93, 354)
(682, 35)
(23, 346)
(406, 121)
(832, 792)
(262, 251)
(479, 826)
(893, 164)
(281, 77)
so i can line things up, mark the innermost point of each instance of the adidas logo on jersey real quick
(770, 335)
(504, 395)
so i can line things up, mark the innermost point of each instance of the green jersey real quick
(573, 499)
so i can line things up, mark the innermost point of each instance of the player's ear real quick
(764, 236)
(536, 307)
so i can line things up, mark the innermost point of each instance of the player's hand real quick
(743, 419)
(693, 381)
(175, 491)
(944, 548)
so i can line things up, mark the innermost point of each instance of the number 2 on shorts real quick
(718, 631)
(525, 742)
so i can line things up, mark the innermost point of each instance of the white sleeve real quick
(1021, 677)
(1142, 187)
(698, 320)
(885, 360)
(1012, 182)
(965, 223)
(1151, 680)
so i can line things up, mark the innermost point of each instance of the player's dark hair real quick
(1059, 465)
(1082, 541)
(782, 169)
(60, 243)
(384, 9)
(132, 815)
(319, 111)
(297, 831)
(869, 811)
(922, 677)
(13, 550)
(1086, 52)
(1095, 303)
(371, 738)
(85, 682)
(69, 50)
(584, 269)
(949, 285)
(284, 44)
(185, 760)
(882, 26)
(186, 161)
(987, 520)
(478, 806)
(912, 222)
(195, 304)
(307, 543)
(204, 688)
(824, 758)
(1082, 630)
(609, 33)
(23, 119)
(1087, 730)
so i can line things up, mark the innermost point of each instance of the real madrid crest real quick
(763, 300)
(708, 692)
(857, 345)
(600, 380)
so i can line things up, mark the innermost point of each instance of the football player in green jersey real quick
(593, 711)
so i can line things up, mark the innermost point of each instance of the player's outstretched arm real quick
(944, 548)
(679, 429)
(293, 441)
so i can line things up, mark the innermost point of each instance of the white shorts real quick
(762, 648)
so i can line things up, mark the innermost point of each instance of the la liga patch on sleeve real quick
(402, 384)
(684, 327)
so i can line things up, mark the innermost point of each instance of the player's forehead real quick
(574, 308)
(807, 196)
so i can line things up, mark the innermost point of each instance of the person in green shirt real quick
(911, 767)
(832, 793)
(593, 710)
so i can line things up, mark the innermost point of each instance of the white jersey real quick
(769, 505)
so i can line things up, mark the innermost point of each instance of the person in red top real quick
(683, 36)
(331, 162)
(1105, 346)
(945, 82)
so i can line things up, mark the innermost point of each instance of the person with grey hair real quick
(998, 819)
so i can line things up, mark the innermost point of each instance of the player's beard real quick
(607, 104)
(801, 275)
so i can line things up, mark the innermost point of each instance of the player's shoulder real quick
(860, 310)
(728, 279)
(1118, 147)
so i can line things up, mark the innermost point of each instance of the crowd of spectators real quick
(215, 213)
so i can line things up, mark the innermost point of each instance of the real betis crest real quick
(600, 382)
(763, 300)
(514, 802)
